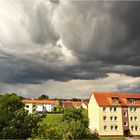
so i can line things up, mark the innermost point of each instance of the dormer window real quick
(132, 101)
(115, 100)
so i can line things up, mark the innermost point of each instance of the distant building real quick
(75, 104)
(114, 114)
(70, 104)
(40, 105)
(84, 105)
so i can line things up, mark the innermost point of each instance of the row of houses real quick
(114, 114)
(50, 105)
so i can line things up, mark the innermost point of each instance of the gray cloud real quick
(65, 40)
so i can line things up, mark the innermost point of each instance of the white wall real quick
(29, 107)
(39, 107)
(93, 114)
(84, 106)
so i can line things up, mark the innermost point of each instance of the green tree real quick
(75, 114)
(21, 125)
(9, 103)
(48, 131)
(73, 129)
(43, 97)
(59, 109)
(15, 122)
(75, 124)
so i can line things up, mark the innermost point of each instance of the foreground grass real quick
(52, 119)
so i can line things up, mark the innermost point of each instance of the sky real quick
(69, 48)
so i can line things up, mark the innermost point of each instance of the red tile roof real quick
(67, 104)
(41, 101)
(71, 104)
(106, 98)
(86, 103)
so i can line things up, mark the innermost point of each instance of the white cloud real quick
(75, 88)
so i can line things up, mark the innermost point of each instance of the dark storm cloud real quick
(65, 40)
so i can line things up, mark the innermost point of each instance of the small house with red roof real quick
(84, 105)
(70, 104)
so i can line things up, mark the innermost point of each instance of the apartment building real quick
(114, 114)
(40, 105)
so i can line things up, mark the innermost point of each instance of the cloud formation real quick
(65, 40)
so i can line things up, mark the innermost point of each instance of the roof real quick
(86, 103)
(106, 98)
(71, 104)
(40, 101)
(67, 104)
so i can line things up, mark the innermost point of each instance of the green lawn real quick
(52, 118)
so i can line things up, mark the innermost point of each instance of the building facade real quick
(40, 105)
(114, 114)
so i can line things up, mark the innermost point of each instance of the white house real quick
(40, 105)
(85, 105)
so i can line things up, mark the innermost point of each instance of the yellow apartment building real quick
(114, 114)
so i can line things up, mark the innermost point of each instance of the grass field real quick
(52, 118)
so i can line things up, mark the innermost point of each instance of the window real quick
(116, 127)
(125, 123)
(115, 118)
(132, 128)
(104, 118)
(132, 101)
(133, 109)
(131, 118)
(111, 118)
(27, 106)
(104, 109)
(124, 114)
(115, 100)
(105, 127)
(136, 119)
(136, 128)
(113, 109)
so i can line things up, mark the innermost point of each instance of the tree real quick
(21, 125)
(75, 124)
(43, 97)
(73, 129)
(9, 103)
(75, 114)
(59, 109)
(15, 122)
(48, 131)
(75, 99)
